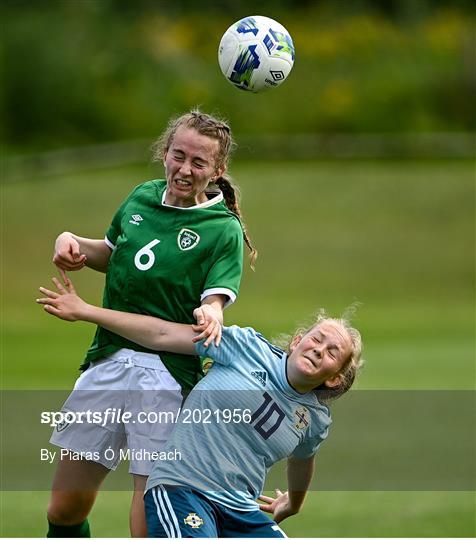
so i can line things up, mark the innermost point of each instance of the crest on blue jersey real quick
(302, 418)
(187, 239)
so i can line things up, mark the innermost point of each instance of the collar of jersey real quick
(214, 200)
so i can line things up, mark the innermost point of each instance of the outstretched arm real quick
(287, 504)
(150, 332)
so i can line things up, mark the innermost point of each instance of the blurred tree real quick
(83, 71)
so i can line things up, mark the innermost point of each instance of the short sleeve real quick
(227, 267)
(235, 343)
(115, 228)
(309, 446)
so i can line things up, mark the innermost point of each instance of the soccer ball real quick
(256, 53)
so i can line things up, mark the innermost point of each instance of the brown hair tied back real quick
(231, 194)
(218, 130)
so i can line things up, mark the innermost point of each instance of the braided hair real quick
(231, 196)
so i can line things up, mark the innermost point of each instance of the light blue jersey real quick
(239, 420)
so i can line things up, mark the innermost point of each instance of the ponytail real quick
(231, 195)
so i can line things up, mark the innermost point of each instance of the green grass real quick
(396, 236)
(325, 514)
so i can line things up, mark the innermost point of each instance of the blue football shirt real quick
(239, 420)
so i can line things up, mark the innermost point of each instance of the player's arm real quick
(217, 303)
(210, 319)
(72, 252)
(150, 332)
(222, 283)
(300, 472)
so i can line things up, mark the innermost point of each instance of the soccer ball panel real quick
(256, 53)
(226, 51)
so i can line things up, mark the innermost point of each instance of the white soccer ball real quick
(256, 53)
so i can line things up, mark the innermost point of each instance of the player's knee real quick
(67, 511)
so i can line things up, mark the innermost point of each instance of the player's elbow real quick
(159, 337)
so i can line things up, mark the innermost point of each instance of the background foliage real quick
(82, 71)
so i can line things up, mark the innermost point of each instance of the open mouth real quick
(182, 183)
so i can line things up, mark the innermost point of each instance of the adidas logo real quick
(261, 376)
(136, 219)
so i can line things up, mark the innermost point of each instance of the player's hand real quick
(208, 325)
(67, 255)
(64, 304)
(279, 506)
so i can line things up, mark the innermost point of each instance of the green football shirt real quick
(165, 260)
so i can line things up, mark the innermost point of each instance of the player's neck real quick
(181, 202)
(293, 381)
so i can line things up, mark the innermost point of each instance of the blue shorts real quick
(181, 512)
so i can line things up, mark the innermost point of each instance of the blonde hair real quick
(352, 364)
(216, 129)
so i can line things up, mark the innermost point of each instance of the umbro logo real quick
(261, 376)
(277, 75)
(136, 219)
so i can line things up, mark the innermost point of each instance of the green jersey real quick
(164, 261)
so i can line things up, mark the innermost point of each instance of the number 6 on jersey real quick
(146, 251)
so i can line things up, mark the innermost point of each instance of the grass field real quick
(329, 514)
(396, 236)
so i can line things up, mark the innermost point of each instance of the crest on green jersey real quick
(187, 239)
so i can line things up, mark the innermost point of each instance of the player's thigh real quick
(139, 482)
(255, 524)
(176, 512)
(73, 474)
(154, 403)
(74, 490)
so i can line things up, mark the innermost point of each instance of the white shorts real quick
(124, 393)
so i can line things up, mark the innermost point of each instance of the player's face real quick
(318, 356)
(190, 164)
